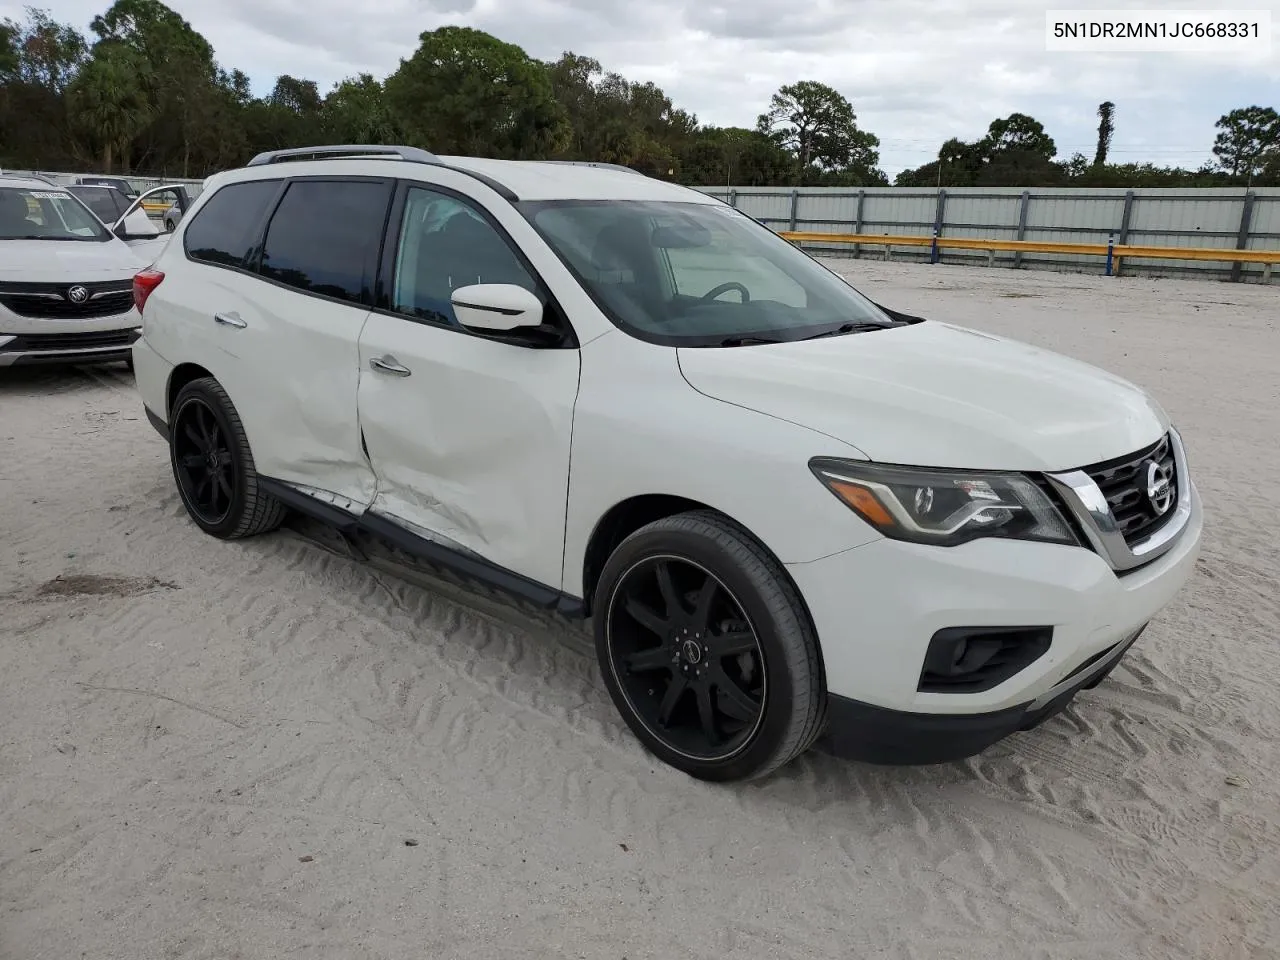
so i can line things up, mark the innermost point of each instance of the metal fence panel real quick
(1265, 232)
(1179, 217)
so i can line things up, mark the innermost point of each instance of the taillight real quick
(143, 284)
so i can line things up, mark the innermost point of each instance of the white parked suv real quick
(66, 281)
(792, 514)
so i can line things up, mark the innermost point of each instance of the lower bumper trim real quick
(66, 357)
(871, 734)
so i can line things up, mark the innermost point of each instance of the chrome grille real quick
(1124, 484)
(1111, 506)
(52, 301)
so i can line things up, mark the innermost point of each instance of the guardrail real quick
(1113, 252)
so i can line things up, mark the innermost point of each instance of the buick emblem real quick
(78, 294)
(1159, 487)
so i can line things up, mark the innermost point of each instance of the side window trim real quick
(253, 256)
(390, 253)
(372, 268)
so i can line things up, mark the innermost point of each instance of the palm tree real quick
(108, 102)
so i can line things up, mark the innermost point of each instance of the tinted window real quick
(445, 244)
(102, 201)
(324, 237)
(224, 228)
(123, 186)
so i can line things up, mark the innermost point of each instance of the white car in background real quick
(789, 511)
(66, 280)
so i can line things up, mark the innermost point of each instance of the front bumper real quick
(859, 731)
(876, 608)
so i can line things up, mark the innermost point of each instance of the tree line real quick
(143, 94)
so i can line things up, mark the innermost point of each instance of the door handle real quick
(389, 364)
(230, 320)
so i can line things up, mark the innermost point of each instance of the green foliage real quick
(357, 111)
(613, 120)
(109, 104)
(466, 92)
(1016, 151)
(734, 156)
(143, 92)
(1106, 128)
(817, 124)
(40, 52)
(9, 33)
(1248, 140)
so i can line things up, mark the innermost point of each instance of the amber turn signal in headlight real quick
(944, 507)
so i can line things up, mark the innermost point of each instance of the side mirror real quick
(136, 226)
(501, 307)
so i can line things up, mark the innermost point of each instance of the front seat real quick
(15, 215)
(627, 273)
(473, 252)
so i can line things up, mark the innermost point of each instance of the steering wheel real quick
(725, 288)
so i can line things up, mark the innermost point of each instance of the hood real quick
(933, 394)
(67, 261)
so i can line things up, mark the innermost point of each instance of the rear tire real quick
(213, 466)
(707, 649)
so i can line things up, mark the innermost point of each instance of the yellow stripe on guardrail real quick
(1118, 252)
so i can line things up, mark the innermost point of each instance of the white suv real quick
(789, 511)
(66, 280)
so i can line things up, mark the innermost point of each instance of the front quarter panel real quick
(639, 429)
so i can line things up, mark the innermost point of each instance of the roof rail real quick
(345, 151)
(596, 163)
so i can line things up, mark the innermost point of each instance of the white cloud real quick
(917, 71)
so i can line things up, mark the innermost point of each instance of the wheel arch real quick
(627, 516)
(181, 375)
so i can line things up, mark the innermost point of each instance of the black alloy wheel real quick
(203, 460)
(213, 466)
(687, 658)
(707, 649)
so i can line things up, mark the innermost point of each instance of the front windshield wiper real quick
(32, 236)
(747, 341)
(850, 328)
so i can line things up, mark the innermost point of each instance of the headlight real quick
(944, 507)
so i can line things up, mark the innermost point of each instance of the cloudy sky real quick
(917, 71)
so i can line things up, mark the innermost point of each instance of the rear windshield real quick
(107, 203)
(30, 213)
(122, 185)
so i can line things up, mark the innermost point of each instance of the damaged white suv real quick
(792, 514)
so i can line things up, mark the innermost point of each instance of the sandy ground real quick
(265, 749)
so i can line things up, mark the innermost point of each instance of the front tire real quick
(707, 649)
(213, 465)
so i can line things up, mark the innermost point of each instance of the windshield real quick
(698, 274)
(30, 213)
